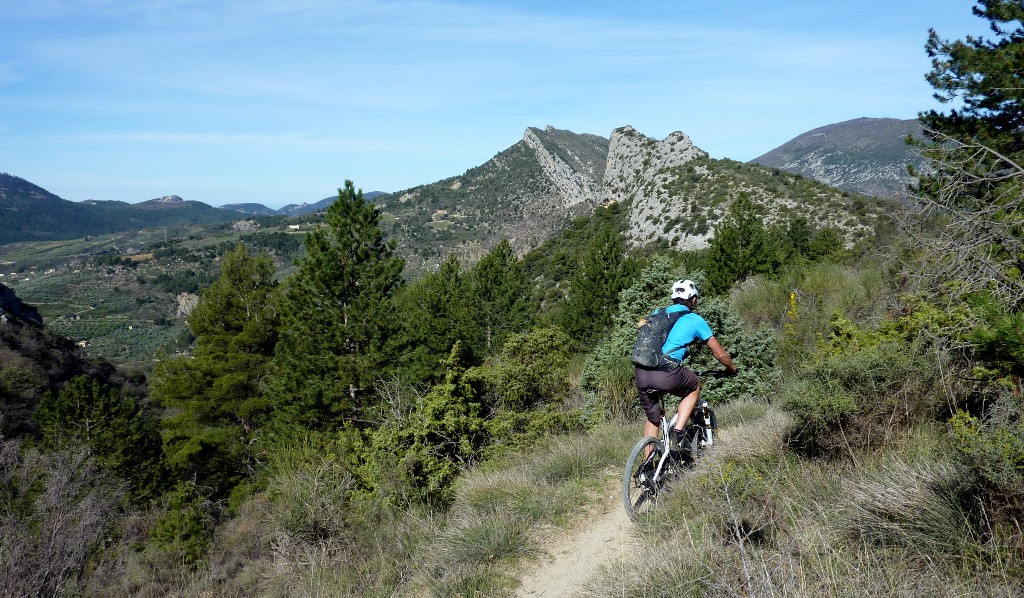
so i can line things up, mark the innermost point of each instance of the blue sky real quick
(280, 101)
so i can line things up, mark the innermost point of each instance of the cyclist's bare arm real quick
(721, 354)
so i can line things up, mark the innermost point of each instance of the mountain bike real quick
(651, 465)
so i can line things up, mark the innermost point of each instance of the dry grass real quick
(753, 520)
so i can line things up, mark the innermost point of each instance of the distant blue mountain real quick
(30, 213)
(308, 208)
(257, 209)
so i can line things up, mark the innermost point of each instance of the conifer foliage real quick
(595, 285)
(216, 393)
(119, 433)
(502, 301)
(435, 316)
(976, 191)
(739, 247)
(977, 177)
(336, 314)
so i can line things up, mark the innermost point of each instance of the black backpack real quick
(650, 338)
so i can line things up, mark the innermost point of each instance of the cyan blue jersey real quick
(687, 329)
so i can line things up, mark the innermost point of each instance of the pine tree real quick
(977, 179)
(986, 76)
(336, 315)
(500, 297)
(122, 437)
(976, 190)
(739, 247)
(216, 395)
(594, 288)
(435, 314)
(798, 232)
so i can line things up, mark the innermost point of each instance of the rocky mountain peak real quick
(862, 155)
(167, 199)
(633, 158)
(573, 169)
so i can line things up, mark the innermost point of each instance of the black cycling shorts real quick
(679, 382)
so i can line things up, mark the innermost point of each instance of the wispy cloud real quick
(404, 92)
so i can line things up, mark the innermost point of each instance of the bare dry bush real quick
(55, 513)
(978, 244)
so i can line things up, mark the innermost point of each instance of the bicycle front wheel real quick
(639, 489)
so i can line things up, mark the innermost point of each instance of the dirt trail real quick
(572, 557)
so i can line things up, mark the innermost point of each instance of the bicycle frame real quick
(666, 426)
(703, 417)
(643, 476)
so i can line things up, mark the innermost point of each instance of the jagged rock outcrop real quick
(575, 178)
(639, 170)
(633, 158)
(677, 195)
(186, 303)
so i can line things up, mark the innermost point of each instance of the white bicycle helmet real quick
(684, 289)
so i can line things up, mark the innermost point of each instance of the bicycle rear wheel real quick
(639, 489)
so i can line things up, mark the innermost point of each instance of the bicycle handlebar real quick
(716, 374)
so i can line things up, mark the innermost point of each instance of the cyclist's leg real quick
(649, 400)
(687, 386)
(685, 408)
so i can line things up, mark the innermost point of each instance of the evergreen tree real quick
(739, 247)
(122, 437)
(500, 296)
(986, 76)
(436, 315)
(594, 288)
(336, 314)
(798, 231)
(216, 395)
(977, 177)
(976, 189)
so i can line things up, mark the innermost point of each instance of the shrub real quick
(183, 530)
(802, 303)
(56, 510)
(993, 451)
(430, 446)
(862, 399)
(531, 369)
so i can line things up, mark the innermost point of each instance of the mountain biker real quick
(678, 379)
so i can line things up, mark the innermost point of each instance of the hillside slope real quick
(676, 194)
(863, 155)
(529, 191)
(35, 360)
(524, 194)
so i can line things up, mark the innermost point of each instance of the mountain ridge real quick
(861, 155)
(529, 190)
